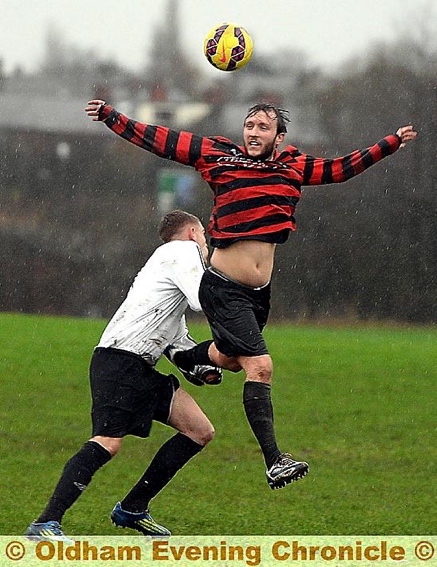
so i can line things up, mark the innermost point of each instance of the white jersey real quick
(153, 314)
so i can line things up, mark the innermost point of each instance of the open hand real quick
(406, 133)
(93, 108)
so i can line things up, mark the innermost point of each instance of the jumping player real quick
(256, 187)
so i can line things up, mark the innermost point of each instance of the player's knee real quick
(209, 434)
(111, 444)
(261, 375)
(258, 369)
(205, 435)
(266, 370)
(233, 365)
(223, 361)
(229, 364)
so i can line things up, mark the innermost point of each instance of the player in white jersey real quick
(128, 393)
(152, 316)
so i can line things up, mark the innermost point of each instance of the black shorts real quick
(127, 394)
(236, 313)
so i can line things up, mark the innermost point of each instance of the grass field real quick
(358, 403)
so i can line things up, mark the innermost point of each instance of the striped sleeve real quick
(180, 146)
(319, 171)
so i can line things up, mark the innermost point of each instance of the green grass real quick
(358, 403)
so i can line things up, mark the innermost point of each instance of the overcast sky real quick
(327, 31)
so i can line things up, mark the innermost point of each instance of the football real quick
(228, 47)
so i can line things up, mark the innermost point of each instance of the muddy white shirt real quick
(153, 314)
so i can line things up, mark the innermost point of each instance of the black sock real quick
(187, 359)
(170, 458)
(76, 476)
(259, 412)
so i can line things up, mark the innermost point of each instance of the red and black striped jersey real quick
(253, 199)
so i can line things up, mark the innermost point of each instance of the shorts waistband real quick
(124, 352)
(223, 276)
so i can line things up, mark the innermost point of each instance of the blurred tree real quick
(369, 246)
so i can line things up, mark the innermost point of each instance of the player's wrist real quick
(104, 111)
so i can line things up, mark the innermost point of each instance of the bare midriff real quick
(249, 262)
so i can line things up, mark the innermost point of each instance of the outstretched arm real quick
(318, 171)
(180, 146)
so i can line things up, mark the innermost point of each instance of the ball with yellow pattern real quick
(228, 47)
